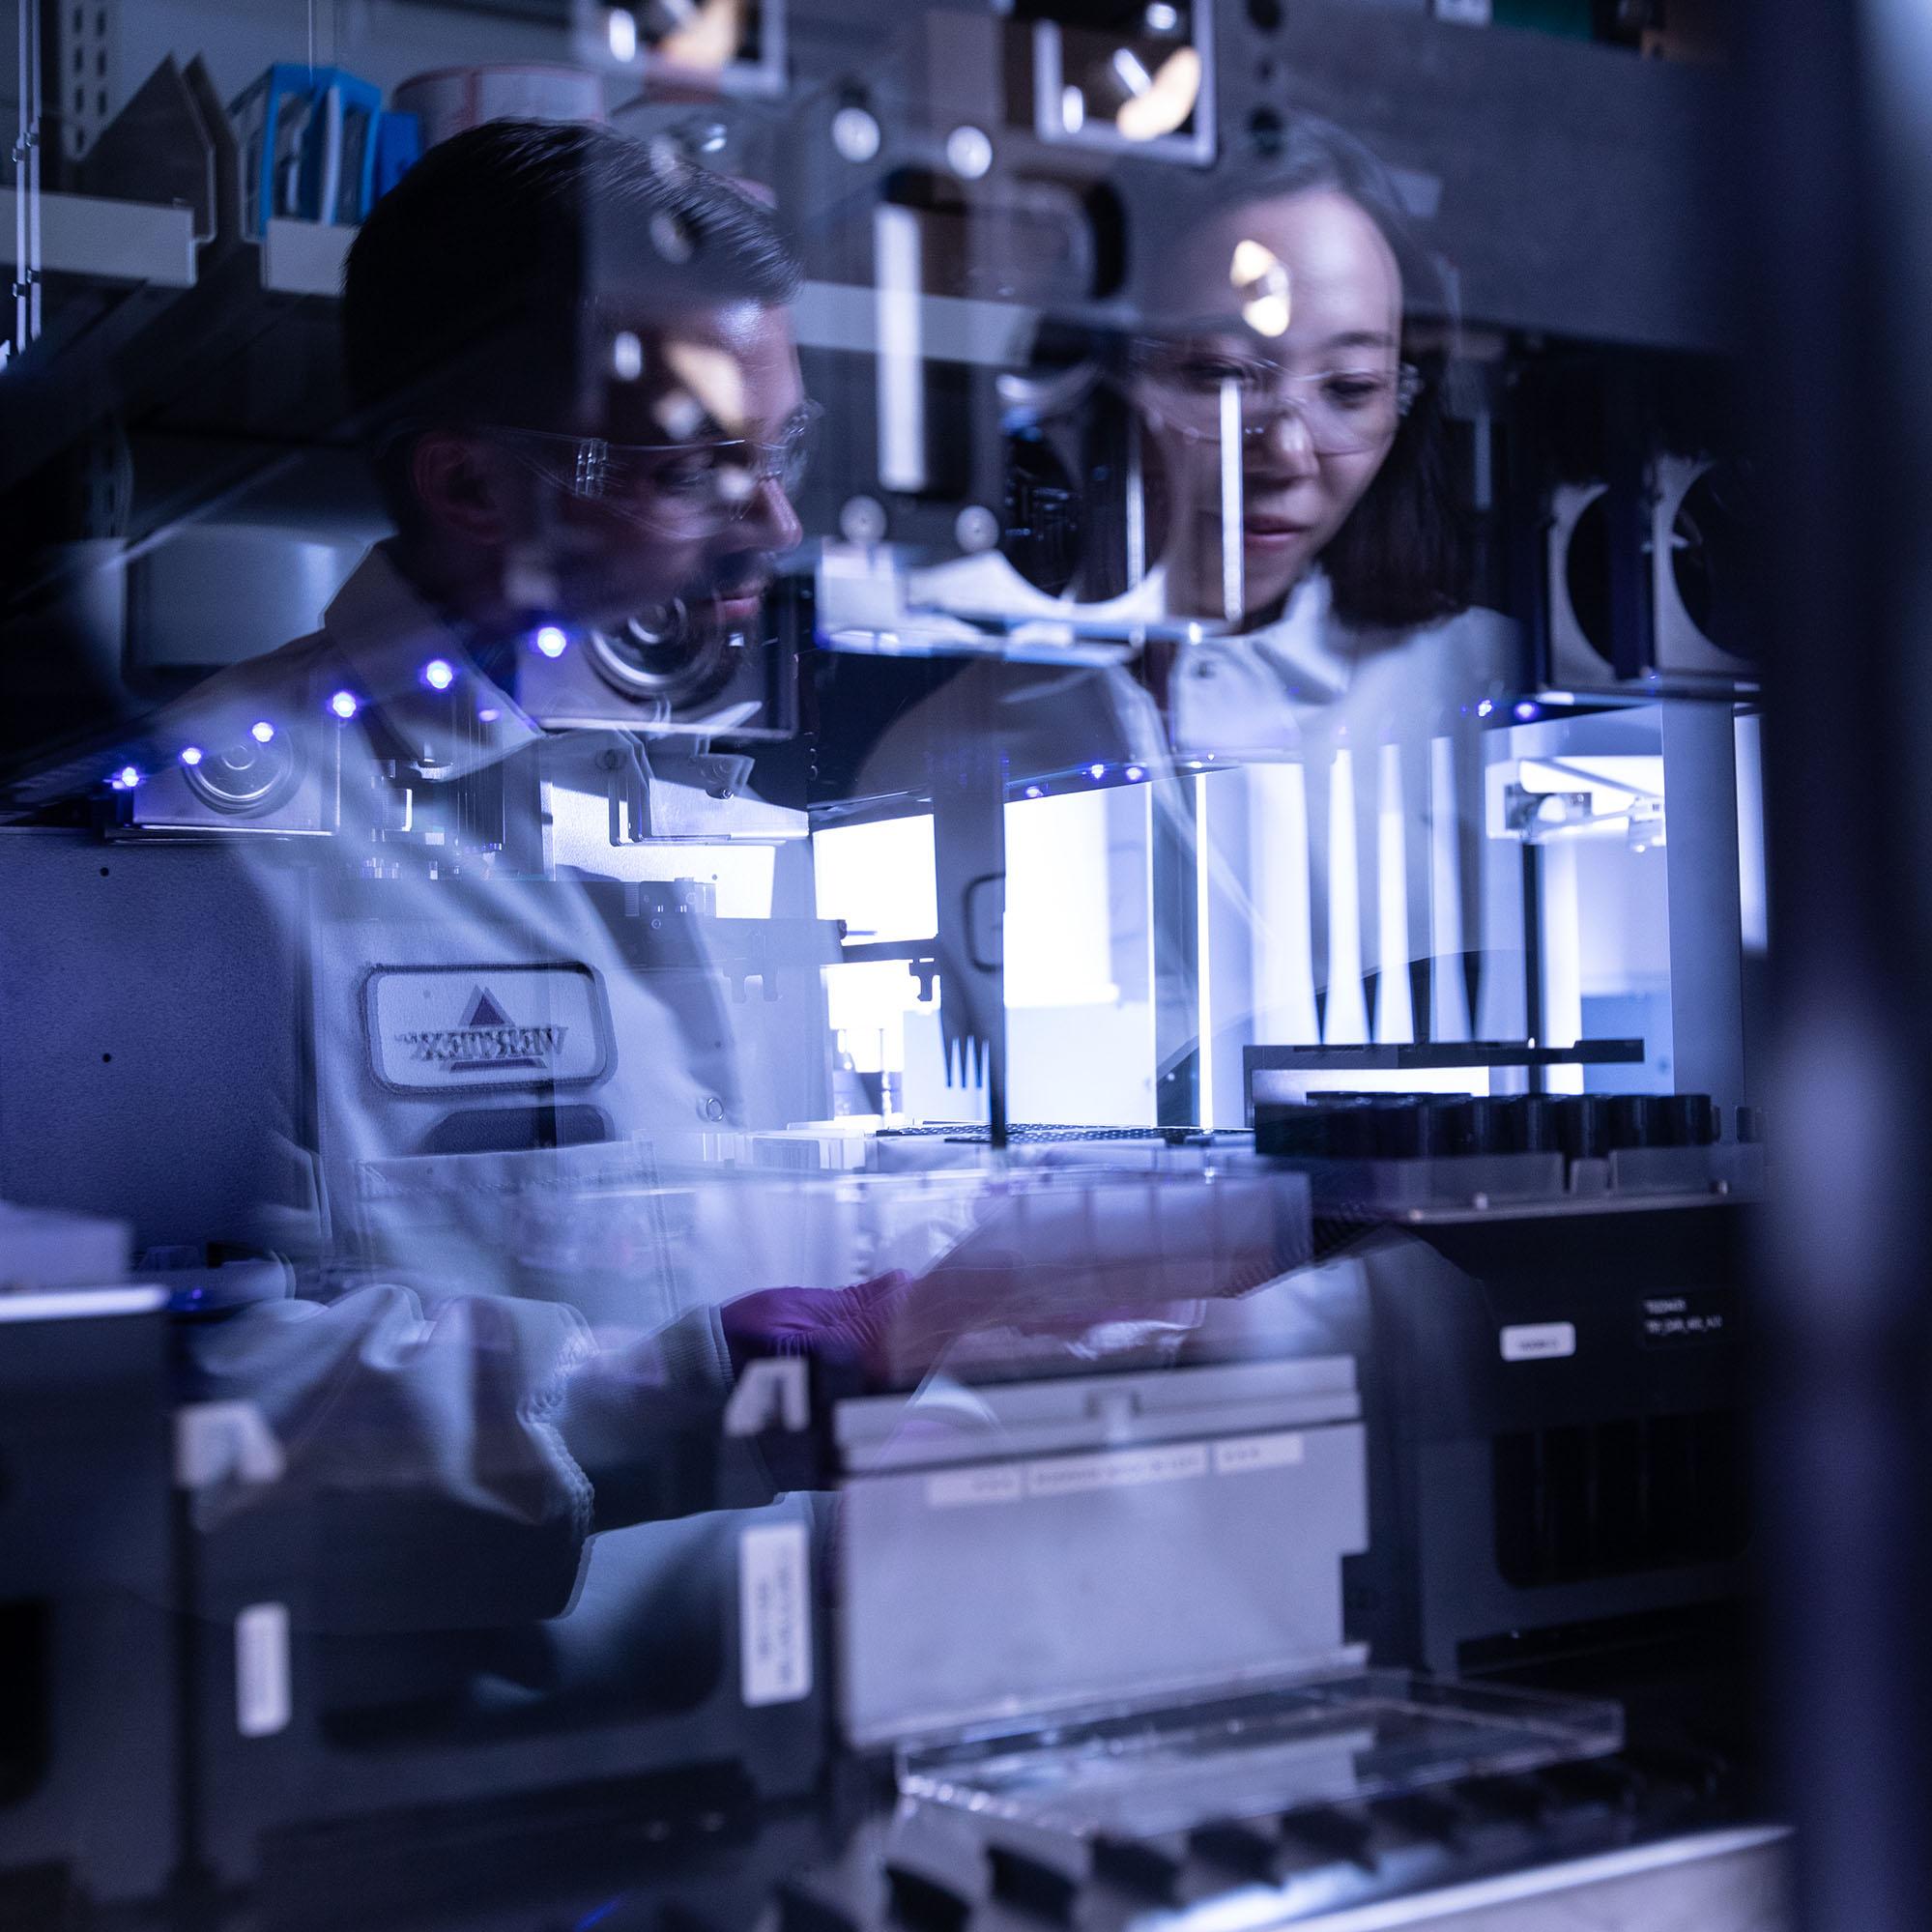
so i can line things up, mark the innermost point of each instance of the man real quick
(574, 362)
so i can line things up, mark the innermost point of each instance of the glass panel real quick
(904, 864)
(1341, 1742)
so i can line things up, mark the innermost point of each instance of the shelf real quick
(108, 241)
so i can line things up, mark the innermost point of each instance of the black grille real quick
(1605, 1499)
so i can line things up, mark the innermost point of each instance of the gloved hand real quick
(889, 1327)
(849, 1327)
(898, 1325)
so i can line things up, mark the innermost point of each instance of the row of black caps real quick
(1396, 1126)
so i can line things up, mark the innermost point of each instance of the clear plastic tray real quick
(1373, 1735)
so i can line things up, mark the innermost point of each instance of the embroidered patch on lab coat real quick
(461, 1028)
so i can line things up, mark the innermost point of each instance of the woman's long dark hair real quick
(1402, 557)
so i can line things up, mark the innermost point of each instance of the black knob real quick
(1693, 1118)
(1582, 1126)
(1352, 1128)
(1526, 1123)
(1450, 1125)
(1292, 1132)
(1400, 1131)
(1636, 1120)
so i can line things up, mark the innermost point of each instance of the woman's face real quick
(1316, 396)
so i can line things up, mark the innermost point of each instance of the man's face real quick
(684, 507)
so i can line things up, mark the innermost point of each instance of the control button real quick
(862, 520)
(855, 135)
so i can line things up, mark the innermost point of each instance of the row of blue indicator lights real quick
(345, 704)
(439, 673)
(1525, 711)
(1132, 773)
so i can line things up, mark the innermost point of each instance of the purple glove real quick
(848, 1326)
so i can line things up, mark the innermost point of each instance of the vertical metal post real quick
(1706, 903)
(1175, 935)
(27, 184)
(1836, 171)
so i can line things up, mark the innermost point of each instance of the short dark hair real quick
(1402, 557)
(468, 289)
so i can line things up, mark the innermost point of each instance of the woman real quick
(1333, 541)
(1307, 572)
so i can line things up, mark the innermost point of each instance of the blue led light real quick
(439, 673)
(261, 730)
(488, 715)
(1036, 791)
(1483, 709)
(551, 641)
(345, 704)
(1526, 711)
(190, 754)
(1096, 771)
(127, 778)
(1135, 774)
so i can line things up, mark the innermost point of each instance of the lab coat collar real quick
(1312, 657)
(385, 632)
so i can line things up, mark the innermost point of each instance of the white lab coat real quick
(1351, 759)
(496, 1350)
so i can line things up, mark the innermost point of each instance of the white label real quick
(1116, 1469)
(438, 1029)
(777, 1390)
(213, 1441)
(962, 1489)
(775, 1613)
(263, 1703)
(1240, 1454)
(1539, 1340)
